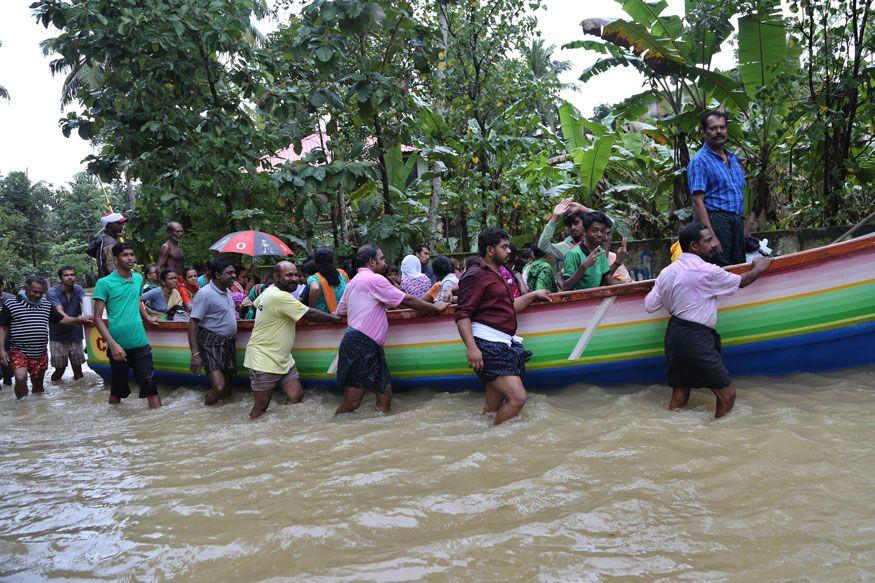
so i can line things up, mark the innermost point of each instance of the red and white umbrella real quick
(254, 243)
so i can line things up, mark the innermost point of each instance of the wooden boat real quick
(812, 311)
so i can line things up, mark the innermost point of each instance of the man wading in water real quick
(486, 318)
(688, 289)
(268, 354)
(212, 330)
(361, 360)
(127, 346)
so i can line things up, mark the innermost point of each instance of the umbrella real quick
(253, 243)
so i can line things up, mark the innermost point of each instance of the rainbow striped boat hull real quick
(812, 311)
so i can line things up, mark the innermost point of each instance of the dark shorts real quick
(694, 356)
(217, 352)
(361, 363)
(138, 361)
(500, 360)
(729, 230)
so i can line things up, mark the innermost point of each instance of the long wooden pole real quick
(591, 328)
(855, 228)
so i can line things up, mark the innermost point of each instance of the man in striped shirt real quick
(25, 319)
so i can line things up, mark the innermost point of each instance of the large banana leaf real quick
(608, 63)
(725, 89)
(658, 53)
(572, 129)
(762, 50)
(398, 170)
(649, 15)
(593, 161)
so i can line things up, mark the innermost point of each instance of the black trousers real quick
(729, 230)
(139, 361)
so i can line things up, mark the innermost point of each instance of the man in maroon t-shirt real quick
(486, 318)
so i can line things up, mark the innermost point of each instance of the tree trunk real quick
(129, 190)
(681, 190)
(463, 216)
(344, 219)
(433, 204)
(381, 156)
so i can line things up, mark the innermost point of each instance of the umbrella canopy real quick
(254, 243)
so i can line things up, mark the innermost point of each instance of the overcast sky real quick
(32, 141)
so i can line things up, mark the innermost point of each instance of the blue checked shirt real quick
(723, 185)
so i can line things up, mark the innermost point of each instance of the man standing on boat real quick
(688, 289)
(127, 346)
(717, 182)
(268, 354)
(170, 254)
(486, 319)
(113, 224)
(212, 330)
(361, 359)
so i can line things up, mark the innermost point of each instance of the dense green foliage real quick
(439, 118)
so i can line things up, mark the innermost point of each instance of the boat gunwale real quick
(789, 262)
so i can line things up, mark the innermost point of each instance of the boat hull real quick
(813, 311)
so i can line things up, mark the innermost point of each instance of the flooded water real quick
(591, 484)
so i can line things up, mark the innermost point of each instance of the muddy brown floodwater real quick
(590, 484)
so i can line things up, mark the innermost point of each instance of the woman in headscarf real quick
(413, 281)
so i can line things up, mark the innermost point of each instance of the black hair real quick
(64, 268)
(323, 258)
(526, 253)
(690, 234)
(471, 261)
(349, 266)
(120, 248)
(572, 218)
(392, 268)
(703, 120)
(442, 266)
(596, 217)
(165, 272)
(420, 247)
(185, 270)
(490, 238)
(35, 279)
(149, 268)
(365, 254)
(218, 265)
(308, 266)
(537, 252)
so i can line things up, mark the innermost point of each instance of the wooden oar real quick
(591, 328)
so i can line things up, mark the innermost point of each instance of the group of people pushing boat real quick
(491, 291)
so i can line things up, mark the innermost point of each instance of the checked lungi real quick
(217, 352)
(361, 363)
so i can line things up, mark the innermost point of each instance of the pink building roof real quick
(308, 144)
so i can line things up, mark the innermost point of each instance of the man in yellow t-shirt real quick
(269, 352)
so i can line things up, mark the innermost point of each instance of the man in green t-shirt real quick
(127, 346)
(587, 265)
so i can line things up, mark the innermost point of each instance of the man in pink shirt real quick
(688, 289)
(361, 362)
